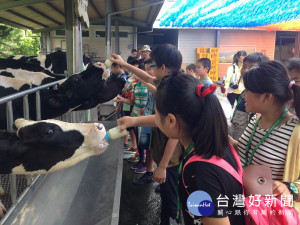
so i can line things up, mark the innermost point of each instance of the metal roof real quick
(42, 15)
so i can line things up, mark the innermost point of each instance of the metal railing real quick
(69, 117)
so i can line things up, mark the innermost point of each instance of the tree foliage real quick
(14, 41)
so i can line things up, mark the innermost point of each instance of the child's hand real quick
(125, 122)
(119, 99)
(160, 175)
(117, 59)
(280, 191)
(142, 111)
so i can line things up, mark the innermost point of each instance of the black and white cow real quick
(27, 71)
(47, 146)
(78, 91)
(55, 62)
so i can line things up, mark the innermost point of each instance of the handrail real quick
(30, 91)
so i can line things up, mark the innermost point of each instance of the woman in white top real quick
(233, 82)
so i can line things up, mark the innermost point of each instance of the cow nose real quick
(100, 126)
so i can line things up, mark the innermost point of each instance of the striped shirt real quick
(140, 94)
(272, 152)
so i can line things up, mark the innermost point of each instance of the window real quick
(60, 33)
(122, 34)
(99, 34)
(85, 33)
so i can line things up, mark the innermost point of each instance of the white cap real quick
(146, 48)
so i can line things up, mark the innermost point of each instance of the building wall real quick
(259, 41)
(95, 46)
(189, 40)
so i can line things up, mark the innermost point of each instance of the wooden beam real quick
(56, 9)
(14, 24)
(14, 4)
(114, 5)
(26, 18)
(95, 8)
(44, 15)
(61, 27)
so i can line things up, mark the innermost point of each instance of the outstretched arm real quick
(138, 72)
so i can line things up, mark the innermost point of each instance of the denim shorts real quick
(144, 141)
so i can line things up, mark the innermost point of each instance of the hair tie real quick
(291, 84)
(211, 89)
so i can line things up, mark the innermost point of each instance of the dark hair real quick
(191, 67)
(169, 56)
(204, 121)
(238, 55)
(275, 75)
(134, 62)
(293, 64)
(115, 65)
(206, 63)
(133, 50)
(148, 61)
(256, 57)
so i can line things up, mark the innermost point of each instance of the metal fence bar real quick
(27, 92)
(26, 116)
(38, 105)
(12, 178)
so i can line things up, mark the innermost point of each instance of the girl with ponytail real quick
(190, 112)
(272, 137)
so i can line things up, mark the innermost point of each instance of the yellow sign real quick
(81, 11)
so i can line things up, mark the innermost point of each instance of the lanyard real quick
(186, 152)
(237, 105)
(277, 122)
(204, 80)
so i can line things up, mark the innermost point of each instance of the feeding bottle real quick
(115, 133)
(108, 63)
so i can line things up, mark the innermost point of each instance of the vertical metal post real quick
(69, 18)
(78, 62)
(26, 116)
(25, 107)
(38, 105)
(135, 36)
(107, 28)
(9, 116)
(117, 39)
(12, 178)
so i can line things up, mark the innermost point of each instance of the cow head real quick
(50, 145)
(81, 88)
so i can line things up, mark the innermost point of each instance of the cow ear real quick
(47, 61)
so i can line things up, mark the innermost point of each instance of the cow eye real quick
(50, 132)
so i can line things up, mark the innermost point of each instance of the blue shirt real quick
(207, 82)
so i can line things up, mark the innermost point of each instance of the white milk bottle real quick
(115, 133)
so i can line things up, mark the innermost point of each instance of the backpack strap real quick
(221, 163)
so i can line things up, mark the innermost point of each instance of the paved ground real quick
(140, 205)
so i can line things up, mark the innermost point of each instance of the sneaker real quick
(127, 156)
(141, 169)
(145, 179)
(137, 165)
(134, 158)
(131, 150)
(125, 147)
(157, 188)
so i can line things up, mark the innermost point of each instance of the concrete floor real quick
(140, 204)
